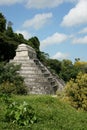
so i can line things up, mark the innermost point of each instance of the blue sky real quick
(60, 25)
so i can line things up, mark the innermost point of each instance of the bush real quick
(76, 91)
(7, 87)
(22, 114)
(10, 80)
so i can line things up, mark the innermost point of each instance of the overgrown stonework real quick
(37, 77)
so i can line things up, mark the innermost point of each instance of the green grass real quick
(52, 114)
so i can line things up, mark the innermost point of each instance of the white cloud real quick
(9, 2)
(60, 56)
(84, 30)
(38, 20)
(77, 15)
(43, 3)
(26, 34)
(56, 38)
(40, 4)
(82, 40)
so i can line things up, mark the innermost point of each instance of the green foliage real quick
(76, 91)
(54, 64)
(68, 70)
(7, 43)
(6, 98)
(19, 38)
(2, 23)
(35, 43)
(7, 88)
(7, 47)
(8, 40)
(20, 113)
(43, 57)
(10, 80)
(9, 32)
(81, 65)
(51, 114)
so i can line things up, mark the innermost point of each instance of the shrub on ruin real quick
(7, 87)
(10, 80)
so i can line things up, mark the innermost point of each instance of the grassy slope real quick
(52, 114)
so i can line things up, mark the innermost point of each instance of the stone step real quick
(37, 85)
(43, 69)
(26, 64)
(30, 72)
(23, 61)
(39, 90)
(41, 83)
(46, 74)
(52, 83)
(32, 76)
(29, 65)
(26, 68)
(37, 78)
(50, 78)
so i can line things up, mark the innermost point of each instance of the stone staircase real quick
(37, 77)
(53, 79)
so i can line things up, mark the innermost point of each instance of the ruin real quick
(37, 77)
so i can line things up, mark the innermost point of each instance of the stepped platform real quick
(37, 77)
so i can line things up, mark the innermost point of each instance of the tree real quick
(81, 65)
(7, 42)
(9, 24)
(76, 91)
(77, 59)
(9, 32)
(2, 23)
(54, 65)
(68, 70)
(35, 43)
(7, 47)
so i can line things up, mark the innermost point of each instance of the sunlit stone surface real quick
(37, 77)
